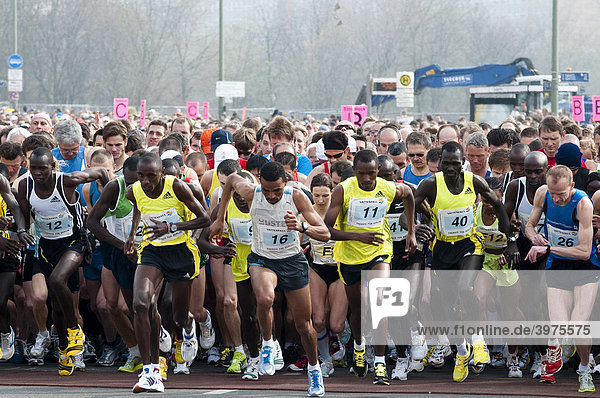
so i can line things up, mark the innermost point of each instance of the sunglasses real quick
(248, 153)
(419, 155)
(336, 156)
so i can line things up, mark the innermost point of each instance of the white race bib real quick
(397, 231)
(366, 212)
(492, 237)
(241, 230)
(560, 237)
(167, 216)
(55, 227)
(322, 251)
(456, 222)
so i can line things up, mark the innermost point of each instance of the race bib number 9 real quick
(55, 227)
(397, 231)
(366, 212)
(562, 238)
(241, 229)
(456, 222)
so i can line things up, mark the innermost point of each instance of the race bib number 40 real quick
(397, 231)
(560, 237)
(366, 212)
(456, 222)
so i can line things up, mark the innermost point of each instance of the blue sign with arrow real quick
(15, 61)
(574, 77)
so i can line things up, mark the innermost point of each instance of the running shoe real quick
(132, 365)
(524, 358)
(392, 354)
(546, 377)
(586, 382)
(370, 358)
(425, 359)
(415, 365)
(111, 354)
(481, 355)
(226, 357)
(76, 339)
(344, 337)
(299, 366)
(65, 364)
(78, 362)
(207, 333)
(418, 346)
(381, 376)
(251, 372)
(21, 353)
(400, 372)
(189, 346)
(554, 363)
(266, 365)
(8, 344)
(181, 368)
(437, 357)
(360, 365)
(514, 371)
(41, 344)
(278, 360)
(89, 352)
(237, 363)
(497, 360)
(536, 366)
(213, 356)
(163, 367)
(461, 368)
(315, 383)
(327, 368)
(291, 354)
(149, 382)
(165, 341)
(338, 353)
(178, 356)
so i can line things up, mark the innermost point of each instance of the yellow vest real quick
(364, 211)
(453, 216)
(3, 210)
(239, 225)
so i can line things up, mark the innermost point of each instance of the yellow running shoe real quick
(162, 364)
(360, 365)
(178, 356)
(76, 339)
(481, 355)
(132, 365)
(65, 363)
(425, 360)
(237, 363)
(461, 368)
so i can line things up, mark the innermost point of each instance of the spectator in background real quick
(397, 151)
(18, 135)
(447, 133)
(11, 155)
(155, 133)
(40, 121)
(499, 138)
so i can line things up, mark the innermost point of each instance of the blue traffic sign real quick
(2, 83)
(15, 61)
(575, 77)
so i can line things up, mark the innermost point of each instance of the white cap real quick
(169, 154)
(224, 152)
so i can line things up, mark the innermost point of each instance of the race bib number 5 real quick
(366, 212)
(456, 222)
(562, 238)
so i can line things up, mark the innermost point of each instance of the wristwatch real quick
(21, 230)
(172, 227)
(304, 227)
(513, 238)
(548, 246)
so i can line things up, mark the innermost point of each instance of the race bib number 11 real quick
(366, 212)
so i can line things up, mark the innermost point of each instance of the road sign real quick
(15, 85)
(229, 89)
(3, 83)
(13, 96)
(205, 108)
(15, 61)
(384, 86)
(15, 74)
(405, 91)
(575, 77)
(355, 113)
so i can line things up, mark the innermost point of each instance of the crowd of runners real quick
(240, 243)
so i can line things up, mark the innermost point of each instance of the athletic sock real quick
(45, 334)
(476, 337)
(323, 345)
(461, 349)
(240, 348)
(268, 342)
(313, 367)
(359, 347)
(134, 351)
(207, 321)
(553, 343)
(583, 368)
(379, 359)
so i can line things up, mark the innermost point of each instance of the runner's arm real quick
(425, 195)
(129, 247)
(107, 199)
(88, 175)
(405, 193)
(23, 203)
(184, 194)
(244, 188)
(483, 189)
(585, 234)
(14, 207)
(536, 213)
(316, 227)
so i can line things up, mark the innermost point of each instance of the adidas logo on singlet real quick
(468, 190)
(55, 199)
(379, 193)
(167, 196)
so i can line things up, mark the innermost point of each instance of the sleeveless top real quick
(270, 235)
(239, 225)
(409, 176)
(364, 211)
(453, 216)
(562, 226)
(523, 207)
(55, 216)
(118, 219)
(493, 238)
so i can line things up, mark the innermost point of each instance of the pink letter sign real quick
(596, 107)
(360, 114)
(347, 113)
(143, 113)
(121, 108)
(578, 112)
(192, 110)
(244, 113)
(205, 106)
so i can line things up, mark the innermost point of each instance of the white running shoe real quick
(165, 341)
(149, 382)
(78, 363)
(327, 368)
(213, 356)
(267, 357)
(278, 361)
(418, 347)
(513, 366)
(315, 383)
(181, 368)
(339, 354)
(8, 344)
(437, 357)
(401, 370)
(40, 346)
(189, 346)
(207, 333)
(415, 365)
(536, 367)
(251, 372)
